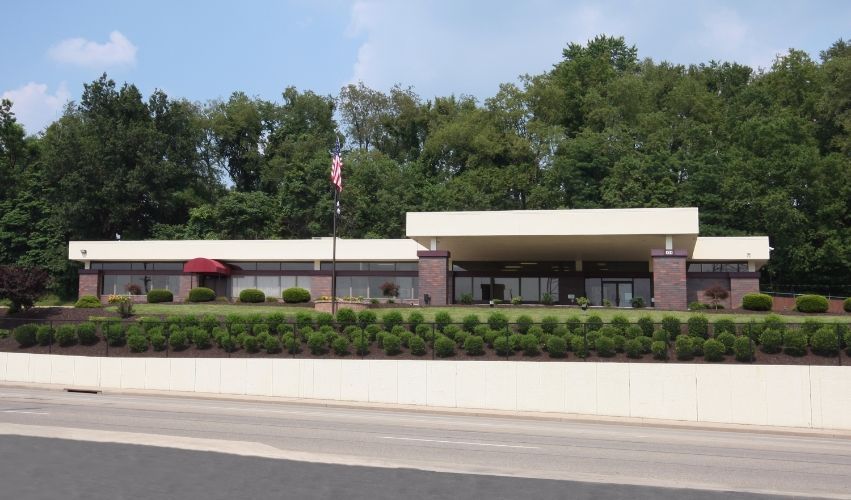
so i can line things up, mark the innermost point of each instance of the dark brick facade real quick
(669, 280)
(696, 286)
(320, 286)
(434, 276)
(187, 282)
(89, 283)
(739, 287)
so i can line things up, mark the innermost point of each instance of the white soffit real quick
(731, 248)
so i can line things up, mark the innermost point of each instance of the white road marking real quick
(27, 412)
(460, 442)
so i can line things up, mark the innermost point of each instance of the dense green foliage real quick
(201, 294)
(757, 302)
(811, 303)
(252, 295)
(760, 152)
(295, 295)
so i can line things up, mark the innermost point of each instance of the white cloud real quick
(117, 51)
(34, 107)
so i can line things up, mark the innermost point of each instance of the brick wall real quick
(696, 287)
(319, 286)
(669, 281)
(186, 283)
(434, 276)
(89, 283)
(739, 287)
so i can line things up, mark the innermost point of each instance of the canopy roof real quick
(206, 266)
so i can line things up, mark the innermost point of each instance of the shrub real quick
(713, 350)
(470, 322)
(753, 330)
(619, 341)
(466, 298)
(201, 294)
(646, 324)
(825, 342)
(594, 323)
(697, 306)
(774, 321)
(271, 344)
(523, 322)
(605, 346)
(178, 340)
(481, 330)
(137, 343)
(795, 343)
(573, 323)
(560, 331)
(810, 326)
(811, 303)
(698, 326)
(444, 347)
(756, 302)
(208, 322)
(324, 319)
(88, 302)
(252, 296)
(415, 319)
(637, 302)
(406, 337)
(728, 339)
(442, 320)
(392, 319)
(87, 333)
(423, 330)
(366, 317)
(660, 336)
(156, 296)
(723, 326)
(461, 337)
(258, 328)
(200, 337)
(549, 324)
(474, 345)
(608, 331)
(659, 350)
(44, 335)
(529, 345)
(66, 335)
(547, 299)
(157, 339)
(556, 347)
(846, 305)
(291, 343)
(635, 331)
(672, 326)
(684, 347)
(633, 348)
(451, 330)
(579, 346)
(340, 346)
(516, 301)
(591, 339)
(361, 345)
(295, 295)
(417, 345)
(303, 319)
(502, 346)
(316, 343)
(490, 336)
(22, 286)
(250, 344)
(620, 323)
(645, 343)
(771, 340)
(743, 349)
(114, 334)
(537, 332)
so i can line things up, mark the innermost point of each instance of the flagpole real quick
(334, 257)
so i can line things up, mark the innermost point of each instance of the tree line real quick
(759, 151)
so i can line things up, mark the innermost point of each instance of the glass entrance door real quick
(619, 293)
(610, 293)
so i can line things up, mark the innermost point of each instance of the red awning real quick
(207, 266)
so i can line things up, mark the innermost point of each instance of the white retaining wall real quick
(791, 396)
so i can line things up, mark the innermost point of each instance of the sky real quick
(203, 50)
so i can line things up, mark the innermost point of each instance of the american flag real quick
(337, 168)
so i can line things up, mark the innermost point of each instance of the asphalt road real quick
(294, 450)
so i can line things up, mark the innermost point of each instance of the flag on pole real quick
(337, 168)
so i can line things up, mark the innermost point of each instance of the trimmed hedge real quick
(743, 349)
(295, 295)
(698, 326)
(771, 340)
(825, 341)
(757, 302)
(811, 304)
(444, 347)
(795, 343)
(474, 345)
(201, 294)
(157, 296)
(417, 345)
(556, 347)
(713, 350)
(252, 296)
(88, 302)
(25, 335)
(87, 333)
(66, 335)
(846, 305)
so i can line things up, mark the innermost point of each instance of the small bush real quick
(529, 345)
(620, 322)
(672, 326)
(451, 330)
(753, 330)
(523, 322)
(444, 347)
(44, 335)
(252, 296)
(619, 341)
(825, 342)
(637, 302)
(201, 294)
(423, 331)
(811, 304)
(633, 348)
(549, 324)
(728, 339)
(490, 336)
(795, 343)
(157, 339)
(713, 350)
(303, 319)
(366, 317)
(295, 295)
(684, 348)
(659, 350)
(502, 346)
(316, 343)
(340, 346)
(392, 319)
(846, 305)
(470, 322)
(646, 324)
(66, 335)
(178, 340)
(608, 331)
(811, 326)
(137, 343)
(516, 341)
(442, 320)
(605, 346)
(723, 326)
(250, 344)
(537, 332)
(591, 339)
(88, 302)
(417, 345)
(157, 296)
(87, 333)
(114, 334)
(272, 345)
(771, 341)
(635, 331)
(324, 319)
(579, 346)
(200, 337)
(461, 337)
(645, 343)
(660, 336)
(743, 349)
(774, 321)
(481, 330)
(573, 323)
(698, 326)
(594, 323)
(291, 343)
(466, 298)
(556, 347)
(474, 345)
(756, 302)
(415, 319)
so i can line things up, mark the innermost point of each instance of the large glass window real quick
(530, 289)
(297, 266)
(138, 284)
(270, 285)
(370, 266)
(506, 288)
(370, 286)
(717, 267)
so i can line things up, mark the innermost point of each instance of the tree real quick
(22, 286)
(716, 294)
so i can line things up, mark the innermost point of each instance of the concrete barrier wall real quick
(789, 396)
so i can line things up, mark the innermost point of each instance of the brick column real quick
(319, 286)
(187, 281)
(669, 279)
(89, 283)
(740, 285)
(434, 276)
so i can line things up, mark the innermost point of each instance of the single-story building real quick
(607, 255)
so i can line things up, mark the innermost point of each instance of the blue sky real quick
(206, 50)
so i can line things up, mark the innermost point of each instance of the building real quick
(607, 255)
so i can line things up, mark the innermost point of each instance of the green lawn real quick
(512, 312)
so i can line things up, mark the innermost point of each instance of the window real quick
(615, 267)
(717, 267)
(268, 266)
(530, 289)
(132, 284)
(463, 286)
(388, 267)
(297, 266)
